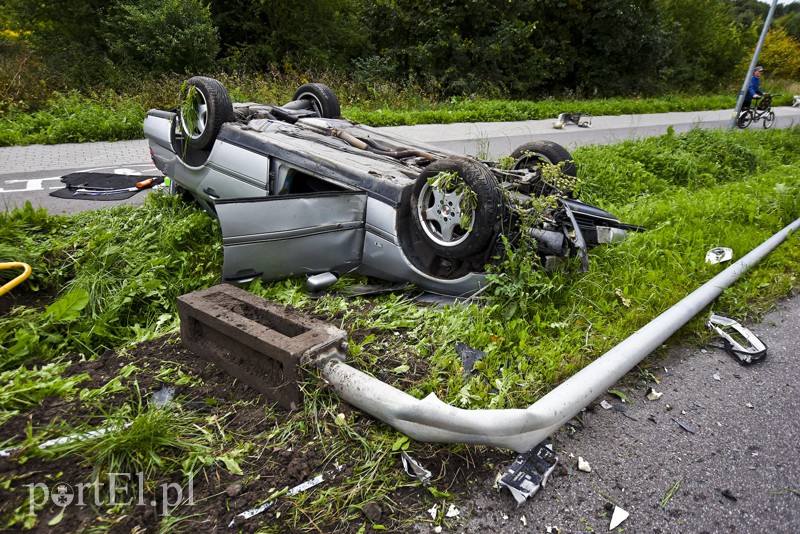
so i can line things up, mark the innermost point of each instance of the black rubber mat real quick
(104, 186)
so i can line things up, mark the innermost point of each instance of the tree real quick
(705, 43)
(317, 34)
(780, 55)
(159, 36)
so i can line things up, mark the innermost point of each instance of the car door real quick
(287, 235)
(233, 172)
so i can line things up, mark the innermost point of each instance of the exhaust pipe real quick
(432, 420)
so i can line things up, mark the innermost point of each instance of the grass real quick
(118, 271)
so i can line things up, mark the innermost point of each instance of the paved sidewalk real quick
(19, 159)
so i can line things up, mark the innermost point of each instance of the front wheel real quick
(455, 204)
(322, 99)
(744, 119)
(769, 120)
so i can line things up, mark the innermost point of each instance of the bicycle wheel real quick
(769, 119)
(744, 119)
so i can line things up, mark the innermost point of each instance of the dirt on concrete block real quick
(256, 341)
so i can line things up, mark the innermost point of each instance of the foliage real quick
(158, 36)
(705, 45)
(118, 272)
(321, 35)
(74, 118)
(780, 55)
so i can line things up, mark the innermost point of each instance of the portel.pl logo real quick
(122, 489)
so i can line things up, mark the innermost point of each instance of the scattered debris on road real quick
(583, 465)
(732, 335)
(653, 395)
(618, 517)
(684, 426)
(529, 472)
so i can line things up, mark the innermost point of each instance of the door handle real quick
(211, 193)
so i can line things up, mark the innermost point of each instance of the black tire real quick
(769, 120)
(533, 154)
(744, 119)
(437, 212)
(322, 99)
(212, 107)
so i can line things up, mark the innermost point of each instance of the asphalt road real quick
(30, 173)
(745, 419)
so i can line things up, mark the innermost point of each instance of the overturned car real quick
(300, 191)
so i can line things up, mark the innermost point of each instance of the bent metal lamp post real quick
(432, 420)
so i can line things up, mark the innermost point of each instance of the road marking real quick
(34, 184)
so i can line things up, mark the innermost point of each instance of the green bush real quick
(158, 36)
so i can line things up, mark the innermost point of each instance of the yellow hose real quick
(19, 279)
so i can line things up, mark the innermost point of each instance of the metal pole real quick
(520, 429)
(753, 62)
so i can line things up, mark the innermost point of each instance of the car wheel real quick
(205, 106)
(744, 119)
(769, 120)
(532, 155)
(322, 99)
(455, 204)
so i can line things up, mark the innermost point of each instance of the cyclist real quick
(754, 90)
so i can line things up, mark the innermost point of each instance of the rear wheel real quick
(322, 99)
(769, 120)
(533, 155)
(455, 204)
(204, 107)
(744, 119)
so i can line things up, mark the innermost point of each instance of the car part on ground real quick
(738, 341)
(581, 119)
(282, 180)
(270, 344)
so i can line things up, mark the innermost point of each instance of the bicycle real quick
(763, 111)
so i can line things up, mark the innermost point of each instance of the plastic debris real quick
(716, 377)
(452, 511)
(617, 517)
(529, 472)
(308, 484)
(163, 396)
(583, 465)
(724, 326)
(605, 405)
(684, 426)
(434, 511)
(5, 453)
(414, 469)
(437, 529)
(719, 255)
(653, 395)
(750, 405)
(553, 530)
(524, 521)
(469, 356)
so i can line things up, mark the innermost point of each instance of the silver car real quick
(300, 191)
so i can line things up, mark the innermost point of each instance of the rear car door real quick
(287, 235)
